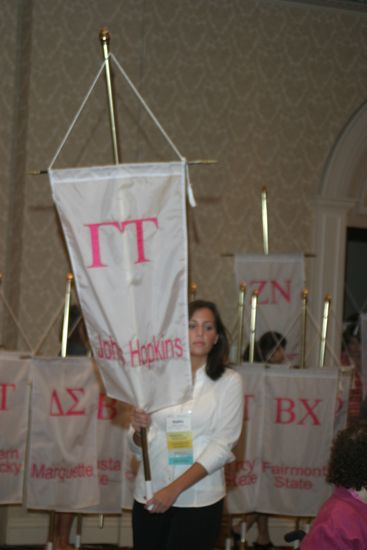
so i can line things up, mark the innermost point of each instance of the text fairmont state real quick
(293, 477)
(140, 354)
(242, 473)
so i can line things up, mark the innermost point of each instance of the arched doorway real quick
(342, 201)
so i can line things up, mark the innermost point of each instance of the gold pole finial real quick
(193, 291)
(69, 276)
(104, 35)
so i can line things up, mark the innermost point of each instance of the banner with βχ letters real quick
(290, 419)
(279, 280)
(62, 466)
(125, 228)
(14, 410)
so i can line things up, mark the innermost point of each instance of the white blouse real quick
(216, 411)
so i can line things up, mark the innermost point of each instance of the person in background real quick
(270, 348)
(351, 356)
(187, 505)
(341, 523)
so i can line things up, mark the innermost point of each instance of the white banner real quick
(279, 280)
(290, 428)
(125, 228)
(14, 405)
(115, 464)
(62, 469)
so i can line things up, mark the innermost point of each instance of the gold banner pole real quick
(264, 215)
(324, 327)
(64, 341)
(254, 297)
(193, 291)
(241, 309)
(253, 306)
(304, 298)
(198, 162)
(65, 324)
(104, 37)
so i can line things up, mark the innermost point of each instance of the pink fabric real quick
(341, 524)
(355, 494)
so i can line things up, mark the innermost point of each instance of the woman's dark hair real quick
(266, 346)
(219, 354)
(348, 463)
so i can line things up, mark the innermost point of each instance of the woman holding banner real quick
(189, 487)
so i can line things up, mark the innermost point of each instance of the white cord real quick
(77, 116)
(7, 305)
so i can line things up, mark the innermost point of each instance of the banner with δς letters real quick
(125, 228)
(62, 468)
(14, 411)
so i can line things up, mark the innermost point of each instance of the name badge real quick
(179, 440)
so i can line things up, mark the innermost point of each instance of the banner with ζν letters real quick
(279, 280)
(14, 411)
(281, 466)
(125, 228)
(62, 466)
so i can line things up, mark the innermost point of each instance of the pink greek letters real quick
(286, 411)
(272, 292)
(4, 395)
(96, 232)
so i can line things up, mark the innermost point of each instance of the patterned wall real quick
(263, 87)
(8, 37)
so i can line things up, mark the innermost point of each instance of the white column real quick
(328, 268)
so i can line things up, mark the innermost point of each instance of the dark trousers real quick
(178, 528)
